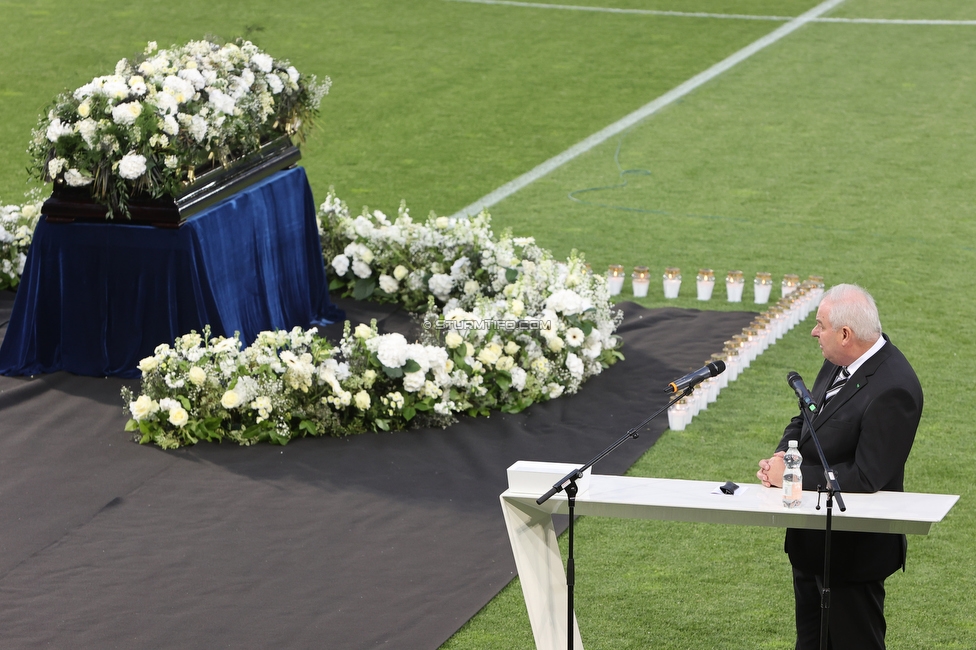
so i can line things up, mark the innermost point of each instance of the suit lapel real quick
(855, 383)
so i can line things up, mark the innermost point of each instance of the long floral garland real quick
(505, 326)
(17, 224)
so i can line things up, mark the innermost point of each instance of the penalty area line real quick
(645, 111)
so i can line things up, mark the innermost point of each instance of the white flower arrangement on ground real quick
(17, 223)
(505, 326)
(520, 327)
(162, 118)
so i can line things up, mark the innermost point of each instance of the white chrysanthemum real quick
(132, 166)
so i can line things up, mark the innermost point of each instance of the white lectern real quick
(540, 565)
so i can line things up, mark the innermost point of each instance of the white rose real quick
(230, 400)
(517, 307)
(148, 364)
(471, 287)
(505, 363)
(132, 166)
(362, 400)
(555, 390)
(366, 255)
(363, 331)
(178, 416)
(556, 344)
(400, 272)
(197, 376)
(389, 284)
(453, 339)
(143, 407)
(341, 264)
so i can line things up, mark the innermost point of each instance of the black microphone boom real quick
(795, 381)
(693, 379)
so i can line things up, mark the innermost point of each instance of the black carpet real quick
(385, 540)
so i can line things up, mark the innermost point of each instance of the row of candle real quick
(705, 283)
(743, 348)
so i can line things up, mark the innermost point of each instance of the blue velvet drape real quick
(96, 298)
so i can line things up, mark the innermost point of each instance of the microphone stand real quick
(568, 483)
(832, 490)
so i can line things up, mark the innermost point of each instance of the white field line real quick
(645, 111)
(698, 14)
(611, 10)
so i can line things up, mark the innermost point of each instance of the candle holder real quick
(640, 280)
(791, 283)
(763, 286)
(705, 282)
(734, 282)
(615, 279)
(672, 281)
(679, 415)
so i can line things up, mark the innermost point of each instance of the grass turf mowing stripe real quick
(645, 111)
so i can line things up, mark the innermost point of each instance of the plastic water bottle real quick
(792, 477)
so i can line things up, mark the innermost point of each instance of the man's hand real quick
(771, 470)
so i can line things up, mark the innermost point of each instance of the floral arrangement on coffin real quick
(161, 119)
(17, 223)
(290, 384)
(523, 326)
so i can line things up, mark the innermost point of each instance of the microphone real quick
(693, 379)
(795, 381)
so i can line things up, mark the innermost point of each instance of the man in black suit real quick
(870, 403)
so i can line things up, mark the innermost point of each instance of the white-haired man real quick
(870, 403)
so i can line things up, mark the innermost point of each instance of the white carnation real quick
(391, 350)
(518, 378)
(274, 83)
(574, 364)
(74, 178)
(132, 166)
(262, 62)
(361, 269)
(341, 264)
(413, 381)
(440, 285)
(198, 128)
(56, 129)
